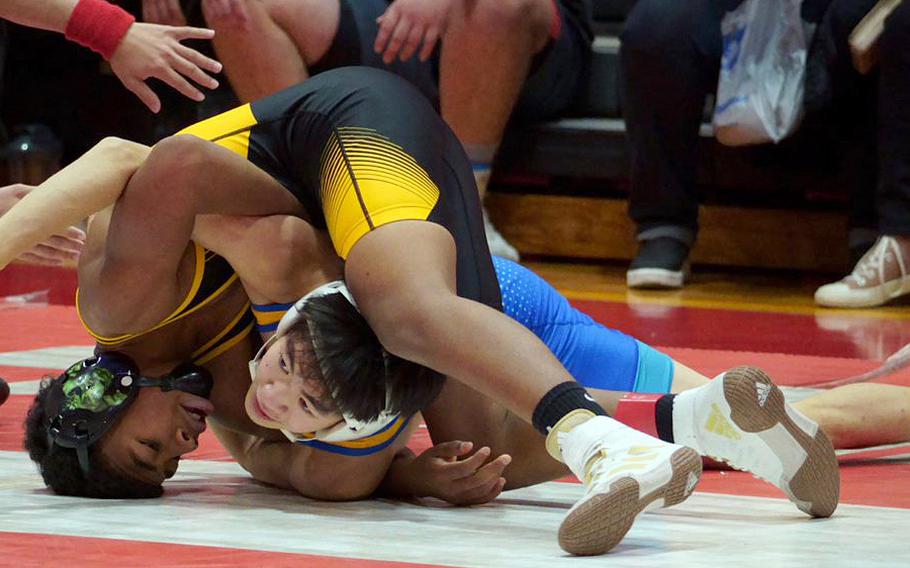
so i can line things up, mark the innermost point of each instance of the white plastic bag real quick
(760, 90)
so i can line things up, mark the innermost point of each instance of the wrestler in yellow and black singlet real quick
(212, 277)
(361, 148)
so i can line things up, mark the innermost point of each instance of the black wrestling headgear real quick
(89, 397)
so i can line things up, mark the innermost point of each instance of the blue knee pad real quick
(655, 371)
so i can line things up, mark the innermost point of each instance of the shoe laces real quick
(872, 266)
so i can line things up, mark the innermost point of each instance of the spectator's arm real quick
(136, 51)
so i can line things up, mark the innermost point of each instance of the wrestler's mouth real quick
(197, 411)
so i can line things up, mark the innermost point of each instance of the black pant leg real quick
(894, 124)
(670, 58)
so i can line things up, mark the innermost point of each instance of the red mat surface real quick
(36, 550)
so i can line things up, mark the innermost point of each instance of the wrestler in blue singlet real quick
(598, 357)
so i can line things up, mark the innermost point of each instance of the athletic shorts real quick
(556, 77)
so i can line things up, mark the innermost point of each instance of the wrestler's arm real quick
(312, 473)
(86, 186)
(278, 257)
(153, 220)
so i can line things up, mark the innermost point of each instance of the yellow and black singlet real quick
(212, 277)
(361, 148)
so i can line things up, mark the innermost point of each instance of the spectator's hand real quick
(460, 482)
(52, 252)
(165, 12)
(152, 50)
(232, 13)
(408, 24)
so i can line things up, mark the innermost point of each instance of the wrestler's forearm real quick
(299, 258)
(402, 481)
(44, 14)
(312, 473)
(88, 185)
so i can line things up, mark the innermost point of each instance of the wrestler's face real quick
(288, 394)
(154, 432)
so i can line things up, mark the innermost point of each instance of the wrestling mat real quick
(213, 514)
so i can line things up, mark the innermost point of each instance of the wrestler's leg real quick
(861, 415)
(685, 378)
(602, 358)
(461, 413)
(272, 49)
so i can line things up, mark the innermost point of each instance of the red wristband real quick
(637, 411)
(98, 25)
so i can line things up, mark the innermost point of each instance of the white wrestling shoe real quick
(625, 472)
(741, 418)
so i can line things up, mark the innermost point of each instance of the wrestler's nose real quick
(274, 394)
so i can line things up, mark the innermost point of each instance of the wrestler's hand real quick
(411, 24)
(232, 13)
(450, 473)
(55, 250)
(165, 12)
(152, 50)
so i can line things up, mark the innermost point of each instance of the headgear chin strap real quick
(92, 394)
(349, 428)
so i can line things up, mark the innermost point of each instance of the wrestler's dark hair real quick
(356, 370)
(60, 467)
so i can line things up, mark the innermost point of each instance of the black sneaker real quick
(660, 263)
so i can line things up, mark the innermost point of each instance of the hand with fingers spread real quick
(165, 12)
(226, 13)
(152, 50)
(54, 251)
(409, 25)
(449, 471)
